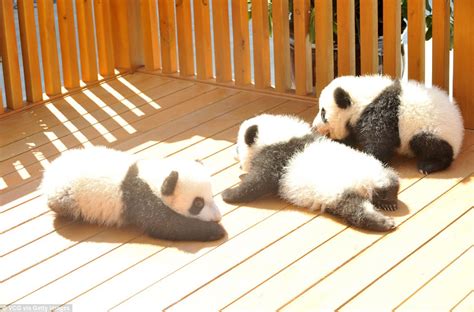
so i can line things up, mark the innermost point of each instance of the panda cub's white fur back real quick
(170, 199)
(383, 116)
(312, 171)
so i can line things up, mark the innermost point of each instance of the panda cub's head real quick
(185, 187)
(335, 110)
(262, 130)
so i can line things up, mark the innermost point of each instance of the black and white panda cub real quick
(167, 199)
(381, 116)
(282, 156)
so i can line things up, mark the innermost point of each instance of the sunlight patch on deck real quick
(3, 184)
(91, 120)
(69, 125)
(139, 93)
(132, 107)
(109, 111)
(21, 170)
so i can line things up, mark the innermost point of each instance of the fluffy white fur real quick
(422, 109)
(87, 183)
(272, 129)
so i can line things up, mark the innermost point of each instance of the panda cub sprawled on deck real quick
(381, 116)
(167, 199)
(282, 156)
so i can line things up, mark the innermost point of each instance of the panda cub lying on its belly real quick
(282, 156)
(165, 198)
(381, 116)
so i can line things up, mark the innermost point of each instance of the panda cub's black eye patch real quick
(323, 115)
(198, 204)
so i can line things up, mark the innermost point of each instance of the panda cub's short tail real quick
(360, 212)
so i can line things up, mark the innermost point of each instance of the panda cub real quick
(165, 198)
(381, 116)
(282, 156)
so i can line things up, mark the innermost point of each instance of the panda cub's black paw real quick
(231, 195)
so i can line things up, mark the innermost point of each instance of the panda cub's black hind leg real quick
(386, 198)
(360, 212)
(433, 154)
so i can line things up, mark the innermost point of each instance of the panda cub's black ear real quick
(169, 184)
(251, 134)
(342, 98)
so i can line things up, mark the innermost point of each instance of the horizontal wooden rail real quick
(254, 45)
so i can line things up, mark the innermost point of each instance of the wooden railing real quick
(158, 34)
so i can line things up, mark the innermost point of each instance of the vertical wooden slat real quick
(120, 35)
(281, 44)
(261, 44)
(368, 37)
(9, 52)
(302, 55)
(391, 37)
(203, 39)
(345, 37)
(135, 34)
(151, 44)
(416, 40)
(29, 49)
(241, 42)
(2, 110)
(185, 38)
(105, 45)
(220, 18)
(168, 36)
(463, 87)
(441, 43)
(324, 44)
(49, 48)
(86, 40)
(67, 33)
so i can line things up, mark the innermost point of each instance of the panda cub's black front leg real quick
(250, 188)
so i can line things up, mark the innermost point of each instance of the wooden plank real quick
(323, 260)
(281, 44)
(261, 44)
(151, 45)
(412, 273)
(369, 59)
(185, 38)
(67, 33)
(302, 48)
(463, 62)
(120, 34)
(29, 49)
(168, 36)
(396, 247)
(240, 28)
(105, 44)
(135, 34)
(9, 53)
(391, 38)
(446, 289)
(324, 43)
(86, 40)
(416, 40)
(220, 18)
(345, 37)
(466, 304)
(49, 49)
(441, 43)
(2, 109)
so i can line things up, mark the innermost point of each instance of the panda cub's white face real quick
(333, 116)
(263, 130)
(186, 188)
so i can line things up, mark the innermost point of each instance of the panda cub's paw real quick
(386, 198)
(231, 195)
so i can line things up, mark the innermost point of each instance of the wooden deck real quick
(275, 257)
